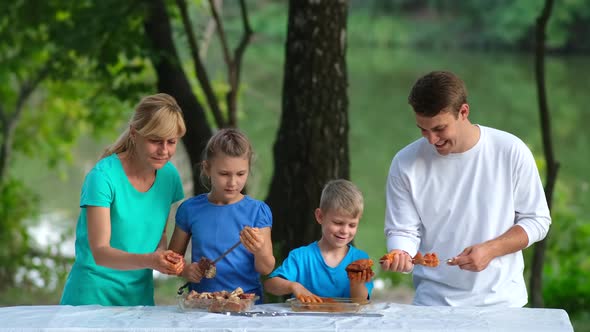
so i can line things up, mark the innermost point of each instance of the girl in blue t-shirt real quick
(217, 220)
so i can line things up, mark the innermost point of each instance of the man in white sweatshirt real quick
(466, 192)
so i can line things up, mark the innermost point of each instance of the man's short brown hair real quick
(438, 91)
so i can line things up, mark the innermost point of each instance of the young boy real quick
(318, 269)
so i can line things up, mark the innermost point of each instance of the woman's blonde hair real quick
(157, 116)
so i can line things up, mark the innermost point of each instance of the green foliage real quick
(380, 30)
(16, 204)
(476, 24)
(98, 57)
(269, 20)
(59, 115)
(82, 40)
(63, 78)
(22, 263)
(567, 262)
(581, 321)
(83, 64)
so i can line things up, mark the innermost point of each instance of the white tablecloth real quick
(396, 317)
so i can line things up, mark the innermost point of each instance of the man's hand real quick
(474, 258)
(397, 261)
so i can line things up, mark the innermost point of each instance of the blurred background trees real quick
(71, 70)
(311, 146)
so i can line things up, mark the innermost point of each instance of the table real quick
(396, 317)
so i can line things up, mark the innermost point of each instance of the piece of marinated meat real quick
(359, 265)
(355, 269)
(208, 267)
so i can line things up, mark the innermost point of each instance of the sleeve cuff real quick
(402, 243)
(536, 231)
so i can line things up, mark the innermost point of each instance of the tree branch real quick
(10, 123)
(230, 97)
(2, 117)
(233, 65)
(209, 31)
(552, 166)
(215, 13)
(200, 70)
(237, 67)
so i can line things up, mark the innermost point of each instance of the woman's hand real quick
(167, 262)
(177, 260)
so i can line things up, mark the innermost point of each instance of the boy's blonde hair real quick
(342, 196)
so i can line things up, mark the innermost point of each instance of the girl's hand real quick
(258, 242)
(193, 273)
(252, 239)
(167, 262)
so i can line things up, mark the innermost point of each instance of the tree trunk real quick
(173, 80)
(311, 146)
(536, 282)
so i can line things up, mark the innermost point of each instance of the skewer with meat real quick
(207, 267)
(429, 259)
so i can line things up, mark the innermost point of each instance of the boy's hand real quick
(360, 271)
(358, 287)
(309, 298)
(303, 295)
(361, 277)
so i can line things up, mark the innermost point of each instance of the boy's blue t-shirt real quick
(137, 223)
(214, 229)
(306, 266)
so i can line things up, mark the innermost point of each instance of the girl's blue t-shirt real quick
(214, 229)
(306, 266)
(138, 220)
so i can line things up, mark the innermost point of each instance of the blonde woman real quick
(125, 202)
